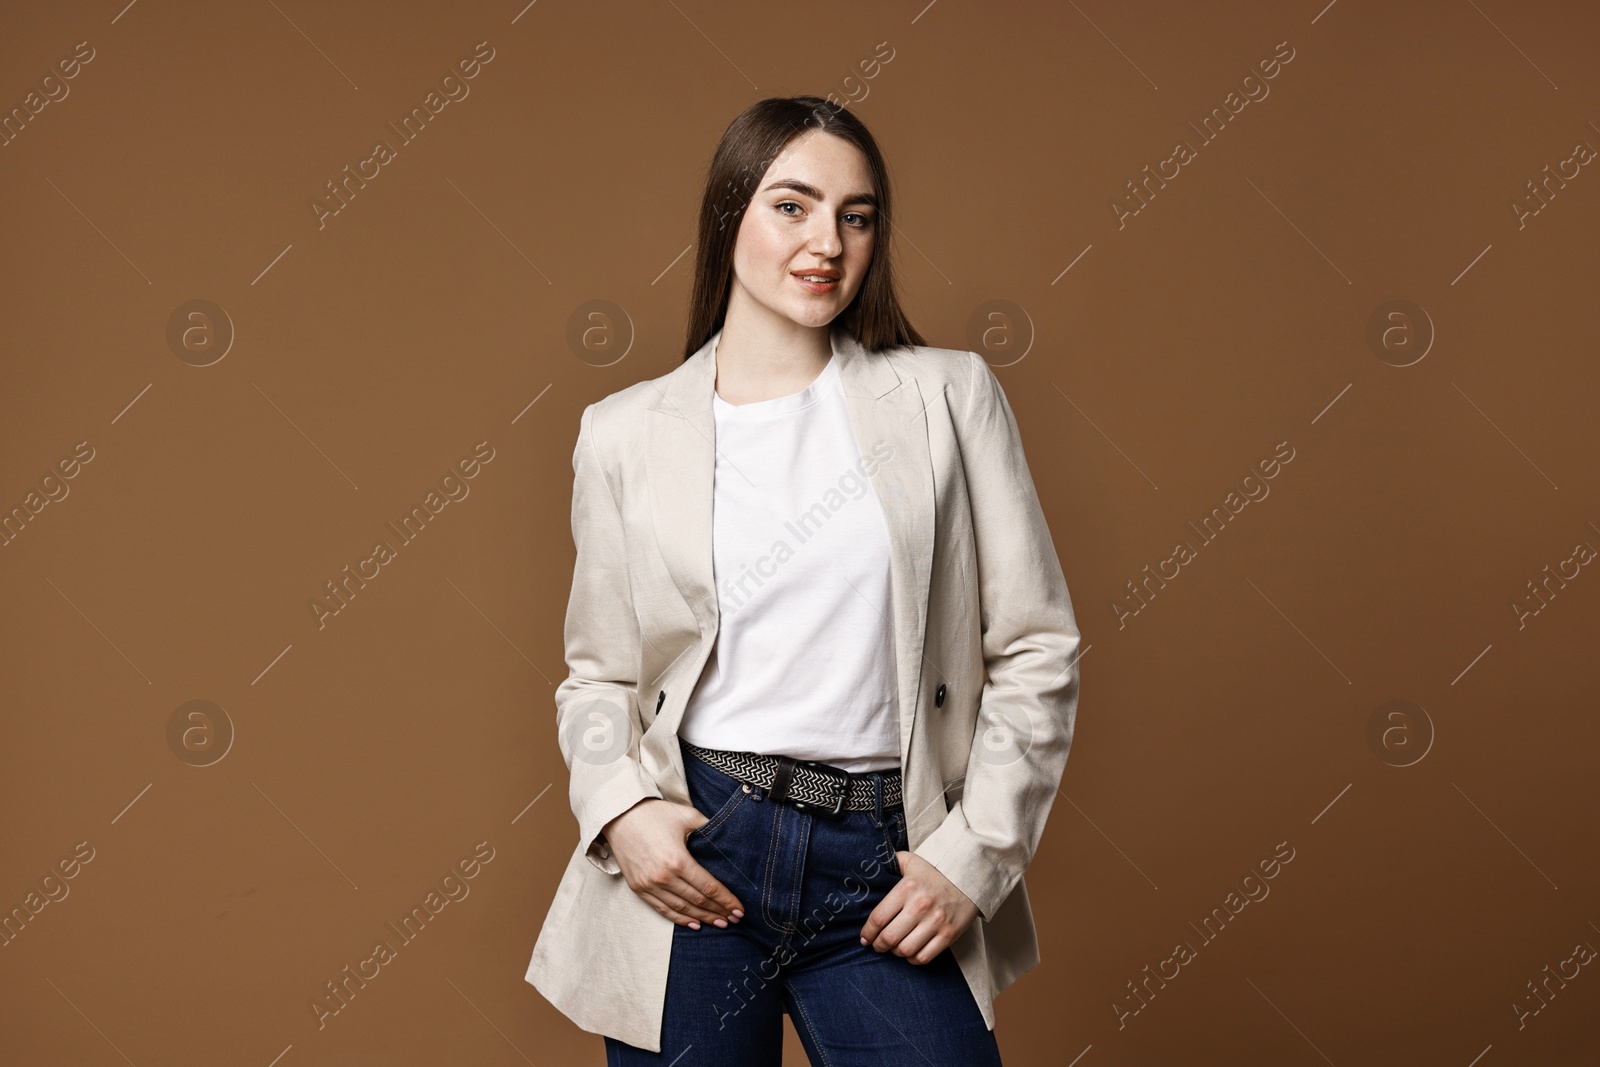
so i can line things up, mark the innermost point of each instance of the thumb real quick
(693, 820)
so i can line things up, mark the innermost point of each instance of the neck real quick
(762, 354)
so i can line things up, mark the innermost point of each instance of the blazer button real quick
(938, 696)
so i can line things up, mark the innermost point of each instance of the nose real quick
(824, 237)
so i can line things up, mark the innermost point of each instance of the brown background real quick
(369, 755)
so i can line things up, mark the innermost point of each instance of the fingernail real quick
(721, 924)
(737, 914)
(863, 941)
(694, 925)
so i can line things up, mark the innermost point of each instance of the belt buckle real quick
(833, 774)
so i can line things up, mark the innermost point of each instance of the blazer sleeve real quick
(1030, 644)
(597, 705)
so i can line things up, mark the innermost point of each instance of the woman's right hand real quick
(650, 843)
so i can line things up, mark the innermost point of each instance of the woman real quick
(823, 675)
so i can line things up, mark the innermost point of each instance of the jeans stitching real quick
(721, 816)
(772, 866)
(816, 1038)
(778, 813)
(801, 839)
(890, 838)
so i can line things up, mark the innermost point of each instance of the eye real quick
(863, 220)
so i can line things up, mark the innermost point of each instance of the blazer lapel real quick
(883, 407)
(888, 408)
(680, 465)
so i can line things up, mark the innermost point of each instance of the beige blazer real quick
(986, 651)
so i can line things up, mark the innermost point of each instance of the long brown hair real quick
(748, 146)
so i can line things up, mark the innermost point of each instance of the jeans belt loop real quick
(782, 778)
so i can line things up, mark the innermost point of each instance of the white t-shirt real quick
(804, 658)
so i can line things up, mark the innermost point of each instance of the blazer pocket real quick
(953, 791)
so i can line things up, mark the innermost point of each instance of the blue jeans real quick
(807, 883)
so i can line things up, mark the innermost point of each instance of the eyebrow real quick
(816, 194)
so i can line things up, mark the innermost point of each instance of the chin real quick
(812, 315)
(816, 318)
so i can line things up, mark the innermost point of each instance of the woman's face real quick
(813, 213)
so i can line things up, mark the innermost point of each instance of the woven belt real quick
(816, 787)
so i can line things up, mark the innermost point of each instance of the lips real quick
(829, 280)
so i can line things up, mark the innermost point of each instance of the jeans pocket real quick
(894, 838)
(704, 788)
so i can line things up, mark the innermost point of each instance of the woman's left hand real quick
(921, 916)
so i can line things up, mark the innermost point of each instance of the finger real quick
(883, 914)
(898, 929)
(913, 946)
(685, 905)
(712, 892)
(931, 950)
(698, 900)
(666, 909)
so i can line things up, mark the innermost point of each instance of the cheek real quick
(861, 252)
(772, 233)
(760, 250)
(858, 259)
